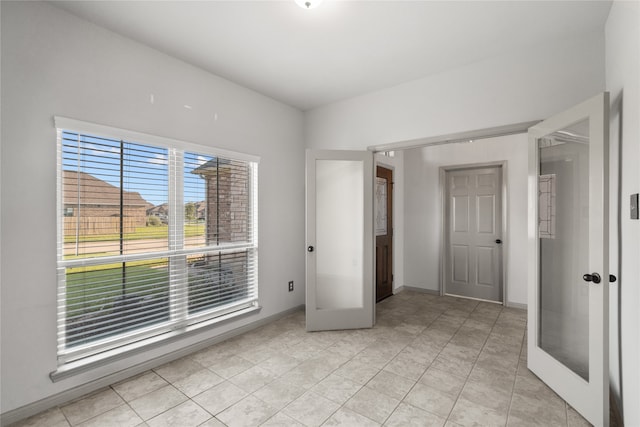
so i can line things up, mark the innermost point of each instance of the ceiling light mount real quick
(308, 4)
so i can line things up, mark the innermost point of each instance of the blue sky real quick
(145, 167)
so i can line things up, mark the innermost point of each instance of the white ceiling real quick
(309, 58)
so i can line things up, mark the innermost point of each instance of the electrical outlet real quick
(291, 286)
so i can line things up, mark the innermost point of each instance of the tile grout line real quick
(431, 363)
(425, 370)
(400, 351)
(475, 360)
(65, 416)
(380, 370)
(513, 387)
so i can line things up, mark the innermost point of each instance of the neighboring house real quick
(95, 205)
(201, 210)
(226, 198)
(162, 211)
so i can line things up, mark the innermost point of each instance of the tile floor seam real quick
(105, 412)
(332, 414)
(166, 410)
(430, 364)
(59, 407)
(203, 391)
(382, 423)
(511, 399)
(204, 409)
(466, 380)
(390, 413)
(516, 377)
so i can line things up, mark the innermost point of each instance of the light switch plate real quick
(634, 206)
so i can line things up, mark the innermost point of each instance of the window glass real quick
(152, 238)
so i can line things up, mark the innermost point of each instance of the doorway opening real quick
(384, 232)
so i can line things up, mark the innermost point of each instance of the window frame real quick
(108, 348)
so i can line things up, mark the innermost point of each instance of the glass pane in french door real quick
(339, 234)
(563, 217)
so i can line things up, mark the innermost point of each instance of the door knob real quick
(498, 241)
(612, 278)
(593, 277)
(310, 249)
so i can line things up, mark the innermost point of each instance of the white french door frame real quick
(352, 317)
(589, 398)
(504, 226)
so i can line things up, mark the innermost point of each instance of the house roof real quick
(85, 189)
(211, 166)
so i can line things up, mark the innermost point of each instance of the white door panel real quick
(474, 227)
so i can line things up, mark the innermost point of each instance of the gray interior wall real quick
(515, 87)
(56, 64)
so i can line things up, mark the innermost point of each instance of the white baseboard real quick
(435, 292)
(516, 305)
(61, 398)
(415, 289)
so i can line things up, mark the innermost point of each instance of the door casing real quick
(504, 227)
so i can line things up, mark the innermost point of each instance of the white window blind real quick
(152, 239)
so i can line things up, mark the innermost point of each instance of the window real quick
(156, 237)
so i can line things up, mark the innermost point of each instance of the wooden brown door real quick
(384, 233)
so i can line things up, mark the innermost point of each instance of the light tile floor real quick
(429, 361)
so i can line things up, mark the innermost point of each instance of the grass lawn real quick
(107, 300)
(157, 232)
(89, 288)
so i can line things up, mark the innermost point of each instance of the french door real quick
(568, 342)
(339, 232)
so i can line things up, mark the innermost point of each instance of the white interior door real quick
(339, 267)
(568, 256)
(473, 266)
